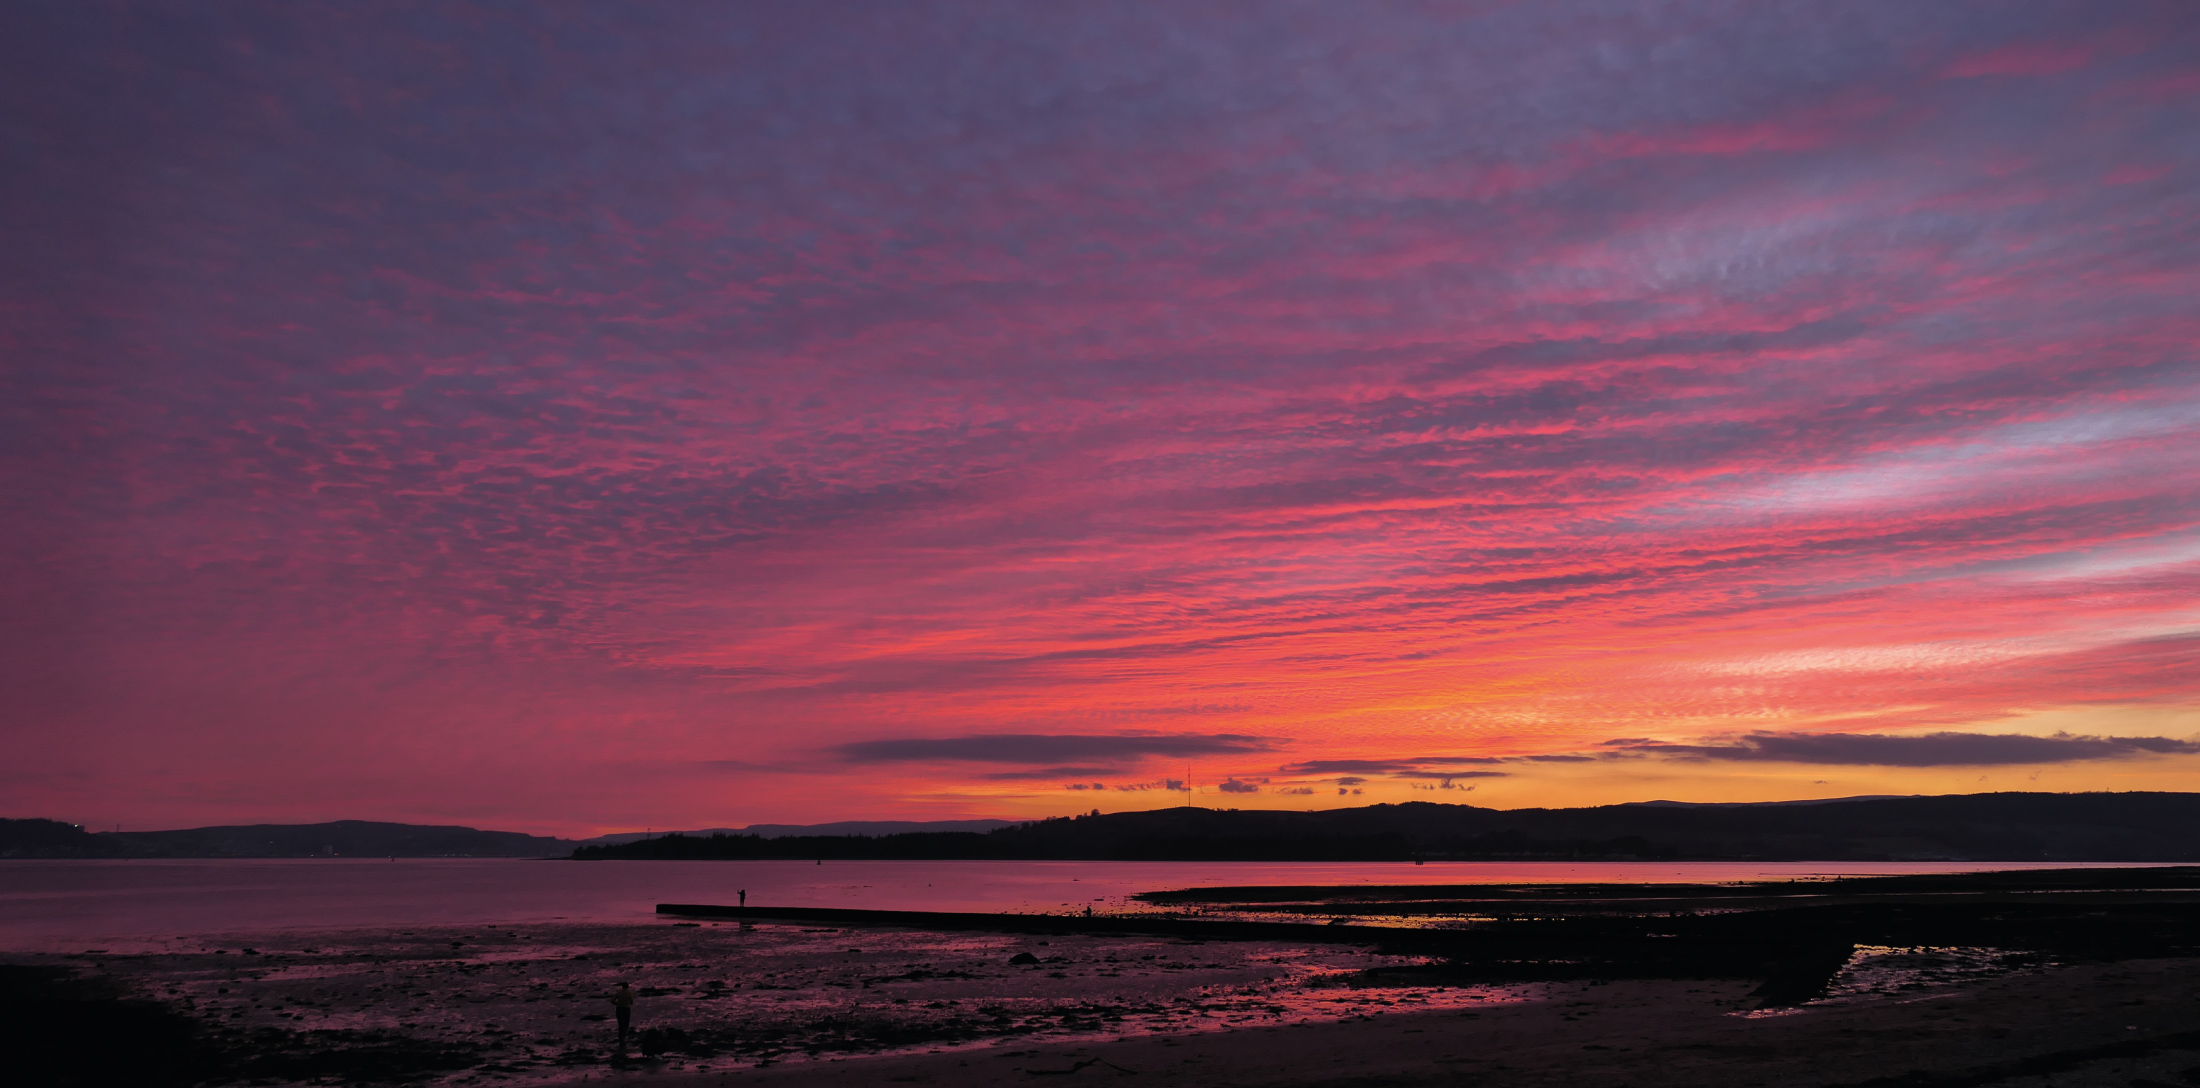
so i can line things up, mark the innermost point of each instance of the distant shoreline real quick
(1974, 978)
(2003, 827)
(1996, 827)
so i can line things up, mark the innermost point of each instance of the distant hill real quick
(52, 839)
(1753, 804)
(343, 838)
(844, 827)
(361, 838)
(1975, 827)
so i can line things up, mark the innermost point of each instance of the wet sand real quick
(531, 1003)
(2121, 1025)
(795, 1006)
(2074, 986)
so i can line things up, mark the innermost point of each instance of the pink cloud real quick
(493, 433)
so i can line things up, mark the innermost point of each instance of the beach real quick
(530, 1002)
(2122, 1025)
(773, 1005)
(2063, 977)
(526, 1005)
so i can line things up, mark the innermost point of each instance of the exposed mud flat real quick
(1972, 980)
(477, 1003)
(2129, 1025)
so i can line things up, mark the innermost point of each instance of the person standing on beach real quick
(622, 1003)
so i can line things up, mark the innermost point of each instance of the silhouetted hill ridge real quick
(871, 828)
(1973, 827)
(51, 839)
(341, 838)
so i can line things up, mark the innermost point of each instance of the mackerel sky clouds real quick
(567, 417)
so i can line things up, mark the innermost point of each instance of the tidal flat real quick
(2066, 978)
(467, 1004)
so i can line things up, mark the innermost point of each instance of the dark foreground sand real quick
(769, 1005)
(2128, 1025)
(529, 1003)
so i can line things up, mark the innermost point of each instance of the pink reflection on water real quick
(50, 905)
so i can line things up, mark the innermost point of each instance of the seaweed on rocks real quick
(1804, 975)
(1792, 938)
(63, 1030)
(352, 1057)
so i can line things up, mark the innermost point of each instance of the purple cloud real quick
(407, 407)
(1923, 750)
(1043, 747)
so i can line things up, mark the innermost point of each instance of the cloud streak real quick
(1421, 765)
(394, 395)
(1046, 747)
(1922, 750)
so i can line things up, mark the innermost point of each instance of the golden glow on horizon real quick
(1389, 391)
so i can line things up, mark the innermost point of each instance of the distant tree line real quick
(1982, 827)
(341, 838)
(1978, 827)
(1022, 844)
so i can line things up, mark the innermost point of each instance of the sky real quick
(581, 417)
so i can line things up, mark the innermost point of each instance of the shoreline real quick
(1567, 983)
(2110, 1025)
(2073, 1027)
(529, 1003)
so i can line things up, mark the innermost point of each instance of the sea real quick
(46, 905)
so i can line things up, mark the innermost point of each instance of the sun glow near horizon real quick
(639, 424)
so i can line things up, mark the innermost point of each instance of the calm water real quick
(48, 904)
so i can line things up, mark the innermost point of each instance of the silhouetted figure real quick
(744, 897)
(622, 1003)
